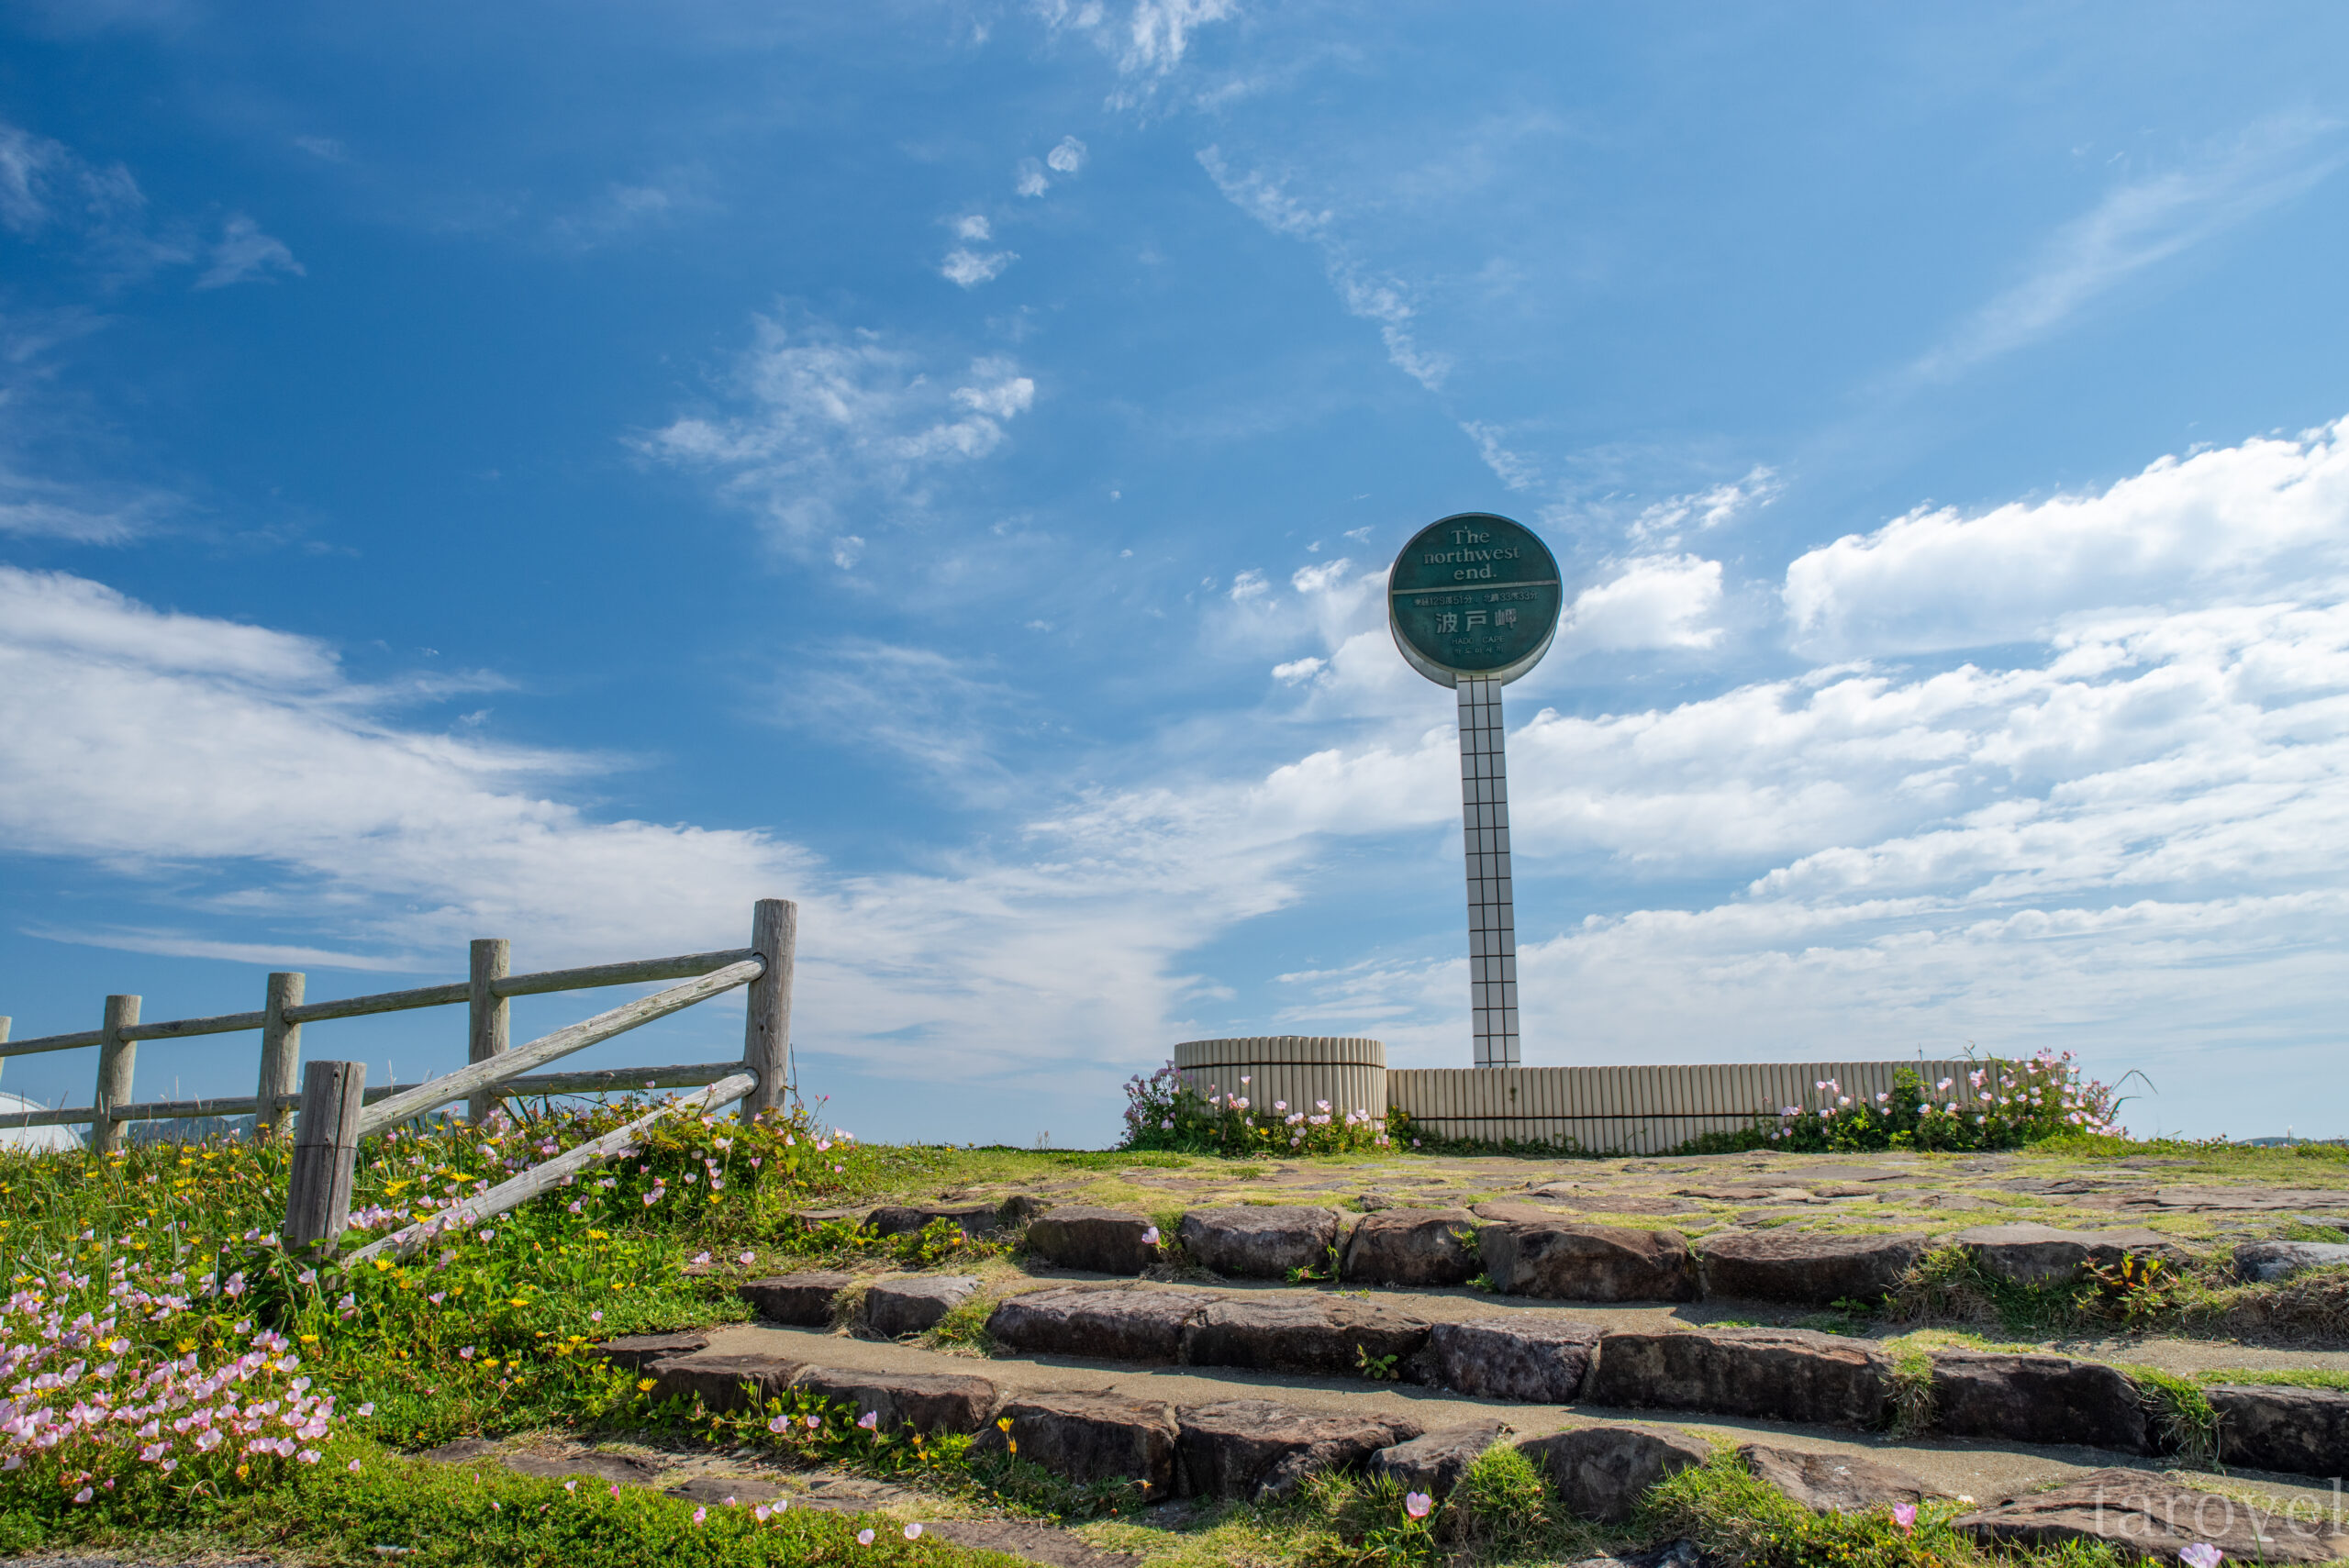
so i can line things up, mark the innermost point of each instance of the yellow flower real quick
(1003, 1425)
(597, 1236)
(518, 1301)
(381, 1264)
(648, 1384)
(309, 1338)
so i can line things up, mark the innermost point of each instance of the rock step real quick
(1548, 1358)
(1246, 1449)
(1526, 1250)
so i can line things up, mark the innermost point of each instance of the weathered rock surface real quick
(802, 1300)
(1098, 1240)
(1601, 1472)
(2037, 1399)
(1253, 1449)
(1532, 1253)
(2264, 1262)
(1785, 1374)
(1413, 1246)
(899, 1219)
(726, 1491)
(2040, 1254)
(1092, 1437)
(921, 1402)
(1321, 1336)
(2142, 1513)
(1805, 1265)
(1045, 1544)
(1125, 1323)
(1835, 1482)
(625, 1468)
(722, 1382)
(643, 1350)
(1260, 1242)
(912, 1303)
(1540, 1358)
(1434, 1462)
(2267, 1428)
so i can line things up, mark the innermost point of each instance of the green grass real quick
(445, 1513)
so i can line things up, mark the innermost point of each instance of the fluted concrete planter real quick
(1300, 1069)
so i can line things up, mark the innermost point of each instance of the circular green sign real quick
(1473, 594)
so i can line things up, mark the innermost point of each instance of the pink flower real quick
(2201, 1554)
(869, 1420)
(352, 1467)
(571, 1486)
(1905, 1515)
(700, 1514)
(1417, 1503)
(913, 1532)
(85, 1495)
(1149, 1236)
(864, 1538)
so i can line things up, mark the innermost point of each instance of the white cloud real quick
(1512, 470)
(1297, 670)
(1661, 525)
(831, 418)
(1029, 178)
(2138, 226)
(1159, 32)
(372, 842)
(1363, 294)
(1653, 602)
(1067, 157)
(970, 268)
(244, 253)
(973, 226)
(2229, 523)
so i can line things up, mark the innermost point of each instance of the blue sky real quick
(563, 473)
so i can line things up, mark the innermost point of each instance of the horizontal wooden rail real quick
(684, 966)
(381, 1002)
(520, 1189)
(593, 1081)
(497, 1070)
(181, 1028)
(39, 1044)
(631, 972)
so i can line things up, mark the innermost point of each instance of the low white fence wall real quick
(1613, 1110)
(1630, 1110)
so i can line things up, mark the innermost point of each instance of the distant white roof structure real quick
(32, 1137)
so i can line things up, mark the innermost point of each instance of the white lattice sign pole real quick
(1473, 602)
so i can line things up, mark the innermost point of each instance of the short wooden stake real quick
(487, 1036)
(115, 1057)
(281, 1054)
(766, 1031)
(325, 1154)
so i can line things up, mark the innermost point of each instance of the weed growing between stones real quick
(1732, 1516)
(809, 1430)
(1912, 1392)
(1502, 1505)
(2307, 1310)
(2183, 1420)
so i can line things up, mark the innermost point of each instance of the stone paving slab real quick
(1980, 1470)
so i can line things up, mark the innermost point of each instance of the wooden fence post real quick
(325, 1154)
(488, 1035)
(766, 1031)
(115, 1057)
(281, 1054)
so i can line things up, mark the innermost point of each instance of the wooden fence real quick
(494, 1069)
(334, 1108)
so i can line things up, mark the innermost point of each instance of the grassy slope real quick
(526, 1291)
